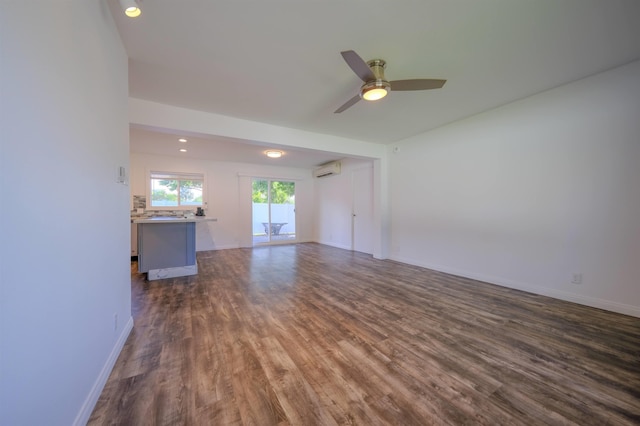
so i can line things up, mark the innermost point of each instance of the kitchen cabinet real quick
(134, 239)
(167, 246)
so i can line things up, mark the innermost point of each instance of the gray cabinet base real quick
(167, 250)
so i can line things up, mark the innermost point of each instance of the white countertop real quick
(172, 219)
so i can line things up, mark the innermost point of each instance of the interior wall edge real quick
(92, 398)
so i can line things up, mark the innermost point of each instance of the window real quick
(176, 189)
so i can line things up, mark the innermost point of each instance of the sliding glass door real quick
(274, 211)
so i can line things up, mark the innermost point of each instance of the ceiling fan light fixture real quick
(375, 90)
(376, 86)
(131, 8)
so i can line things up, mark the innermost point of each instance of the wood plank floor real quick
(313, 335)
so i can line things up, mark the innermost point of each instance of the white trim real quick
(176, 271)
(262, 176)
(92, 398)
(156, 174)
(593, 302)
(149, 171)
(340, 246)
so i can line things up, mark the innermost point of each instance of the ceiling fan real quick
(375, 85)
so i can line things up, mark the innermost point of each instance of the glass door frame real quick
(283, 231)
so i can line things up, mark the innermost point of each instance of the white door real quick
(362, 213)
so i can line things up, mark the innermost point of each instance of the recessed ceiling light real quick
(274, 154)
(130, 8)
(183, 140)
(183, 150)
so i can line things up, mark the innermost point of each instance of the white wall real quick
(334, 200)
(223, 196)
(64, 231)
(528, 194)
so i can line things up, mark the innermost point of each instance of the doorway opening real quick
(273, 211)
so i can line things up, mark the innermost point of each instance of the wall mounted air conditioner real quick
(328, 169)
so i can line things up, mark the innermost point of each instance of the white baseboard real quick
(593, 302)
(305, 240)
(235, 246)
(90, 402)
(340, 246)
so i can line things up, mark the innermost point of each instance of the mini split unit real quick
(328, 169)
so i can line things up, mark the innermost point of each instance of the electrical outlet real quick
(115, 321)
(577, 278)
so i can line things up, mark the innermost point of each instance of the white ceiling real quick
(279, 61)
(219, 148)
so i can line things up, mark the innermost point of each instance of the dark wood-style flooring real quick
(313, 335)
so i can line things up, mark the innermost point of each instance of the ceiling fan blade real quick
(416, 84)
(358, 65)
(348, 104)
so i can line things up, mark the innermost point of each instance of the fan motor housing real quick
(377, 68)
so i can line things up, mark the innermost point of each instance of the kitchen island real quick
(167, 245)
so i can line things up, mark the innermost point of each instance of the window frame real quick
(171, 175)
